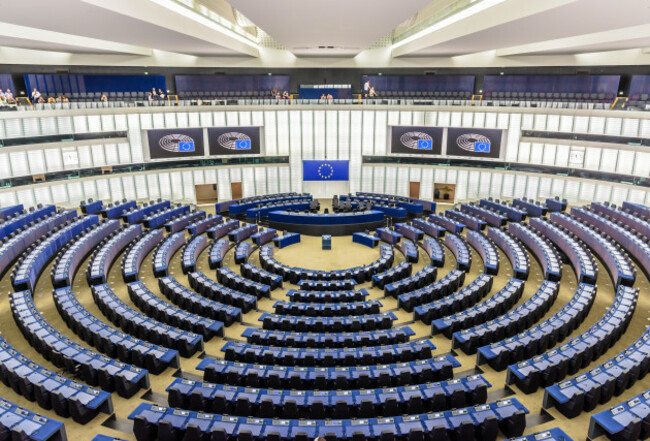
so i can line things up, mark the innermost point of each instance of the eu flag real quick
(186, 146)
(325, 170)
(483, 147)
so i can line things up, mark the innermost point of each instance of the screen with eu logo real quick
(175, 143)
(416, 140)
(230, 141)
(325, 170)
(484, 143)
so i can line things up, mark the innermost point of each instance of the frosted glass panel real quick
(572, 191)
(344, 134)
(116, 189)
(456, 119)
(153, 186)
(5, 168)
(378, 180)
(85, 156)
(90, 190)
(223, 184)
(508, 185)
(562, 155)
(550, 151)
(36, 161)
(188, 186)
(613, 126)
(270, 134)
(142, 190)
(283, 132)
(625, 163)
(532, 187)
(391, 180)
(97, 152)
(75, 192)
(426, 184)
(319, 134)
(496, 184)
(19, 163)
(544, 190)
(112, 158)
(587, 190)
(642, 164)
(630, 127)
(165, 186)
(260, 181)
(176, 186)
(553, 123)
(272, 180)
(479, 119)
(402, 181)
(596, 124)
(484, 184)
(368, 130)
(284, 179)
(467, 119)
(380, 133)
(592, 158)
(248, 182)
(307, 136)
(128, 186)
(609, 160)
(331, 134)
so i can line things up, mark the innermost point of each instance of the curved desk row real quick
(337, 224)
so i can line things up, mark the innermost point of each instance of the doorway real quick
(236, 190)
(206, 193)
(414, 190)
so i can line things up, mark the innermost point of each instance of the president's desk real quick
(316, 224)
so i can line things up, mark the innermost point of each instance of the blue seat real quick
(103, 258)
(229, 278)
(410, 251)
(509, 324)
(327, 309)
(512, 212)
(553, 434)
(541, 248)
(218, 251)
(328, 340)
(513, 249)
(222, 229)
(424, 277)
(14, 220)
(66, 266)
(443, 287)
(409, 231)
(136, 215)
(165, 251)
(492, 217)
(528, 375)
(68, 398)
(430, 228)
(26, 273)
(364, 403)
(160, 217)
(481, 422)
(458, 301)
(327, 285)
(200, 226)
(165, 312)
(136, 323)
(486, 249)
(600, 384)
(471, 222)
(207, 287)
(137, 252)
(496, 305)
(542, 336)
(242, 233)
(357, 377)
(181, 222)
(327, 296)
(532, 208)
(110, 340)
(256, 274)
(188, 300)
(460, 250)
(448, 224)
(617, 263)
(574, 249)
(13, 247)
(401, 271)
(22, 424)
(116, 210)
(191, 253)
(363, 356)
(93, 368)
(435, 251)
(368, 322)
(242, 251)
(624, 422)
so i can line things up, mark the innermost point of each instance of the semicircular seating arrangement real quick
(261, 349)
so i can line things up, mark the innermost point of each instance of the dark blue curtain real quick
(420, 83)
(7, 83)
(640, 85)
(607, 84)
(52, 84)
(231, 83)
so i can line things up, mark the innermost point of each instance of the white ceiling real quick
(576, 18)
(349, 26)
(489, 33)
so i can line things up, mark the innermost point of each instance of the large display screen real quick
(416, 140)
(175, 143)
(483, 143)
(229, 141)
(325, 170)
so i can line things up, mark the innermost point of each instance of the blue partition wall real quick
(419, 83)
(640, 88)
(51, 84)
(7, 83)
(598, 84)
(231, 83)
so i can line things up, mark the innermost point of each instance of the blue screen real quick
(425, 144)
(243, 144)
(482, 147)
(186, 146)
(326, 170)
